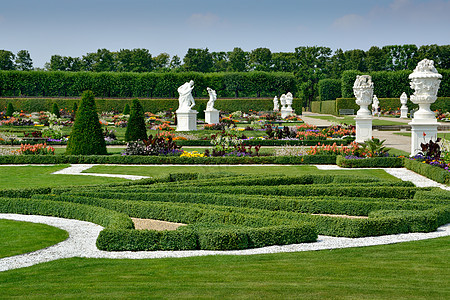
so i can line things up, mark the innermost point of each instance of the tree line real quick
(308, 63)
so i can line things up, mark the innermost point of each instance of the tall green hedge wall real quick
(146, 85)
(329, 89)
(391, 84)
(149, 105)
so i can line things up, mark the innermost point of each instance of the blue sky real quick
(76, 27)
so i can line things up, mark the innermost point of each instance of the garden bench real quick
(346, 111)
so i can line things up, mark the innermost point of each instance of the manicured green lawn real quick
(23, 237)
(350, 120)
(250, 169)
(414, 270)
(442, 135)
(40, 176)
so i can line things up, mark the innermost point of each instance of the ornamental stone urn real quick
(425, 82)
(363, 90)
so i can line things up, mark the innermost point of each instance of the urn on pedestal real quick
(363, 90)
(425, 82)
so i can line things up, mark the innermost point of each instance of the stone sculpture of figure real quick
(403, 99)
(212, 98)
(289, 100)
(186, 100)
(376, 109)
(283, 101)
(276, 106)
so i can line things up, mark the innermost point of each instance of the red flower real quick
(424, 134)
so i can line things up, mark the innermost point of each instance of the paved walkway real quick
(392, 140)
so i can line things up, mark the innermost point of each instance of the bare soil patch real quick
(158, 225)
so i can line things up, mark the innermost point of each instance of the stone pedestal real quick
(403, 112)
(212, 116)
(187, 120)
(286, 112)
(363, 128)
(422, 132)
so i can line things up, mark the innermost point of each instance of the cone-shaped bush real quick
(136, 124)
(126, 110)
(9, 110)
(55, 110)
(75, 107)
(86, 137)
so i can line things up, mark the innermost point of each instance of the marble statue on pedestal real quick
(211, 114)
(186, 116)
(186, 100)
(276, 106)
(404, 108)
(376, 110)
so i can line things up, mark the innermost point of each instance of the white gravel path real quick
(82, 235)
(77, 169)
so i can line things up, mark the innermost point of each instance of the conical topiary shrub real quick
(55, 110)
(86, 137)
(136, 124)
(126, 109)
(9, 110)
(75, 108)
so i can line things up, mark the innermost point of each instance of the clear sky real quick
(76, 27)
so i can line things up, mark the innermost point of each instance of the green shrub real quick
(86, 137)
(9, 110)
(371, 162)
(55, 110)
(136, 123)
(126, 109)
(329, 89)
(75, 108)
(434, 173)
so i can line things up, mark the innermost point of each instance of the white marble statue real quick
(376, 106)
(404, 108)
(283, 101)
(276, 106)
(212, 98)
(186, 100)
(289, 100)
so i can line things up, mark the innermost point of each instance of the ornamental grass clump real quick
(136, 123)
(86, 137)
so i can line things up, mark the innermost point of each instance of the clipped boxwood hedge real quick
(371, 162)
(139, 160)
(434, 173)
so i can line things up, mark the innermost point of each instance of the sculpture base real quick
(363, 129)
(287, 112)
(211, 116)
(403, 113)
(187, 120)
(422, 132)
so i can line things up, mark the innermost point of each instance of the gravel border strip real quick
(82, 237)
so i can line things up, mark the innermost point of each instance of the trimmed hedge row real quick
(434, 173)
(391, 84)
(149, 85)
(371, 162)
(330, 89)
(311, 204)
(139, 160)
(442, 104)
(97, 215)
(149, 105)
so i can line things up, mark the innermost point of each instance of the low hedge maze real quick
(239, 212)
